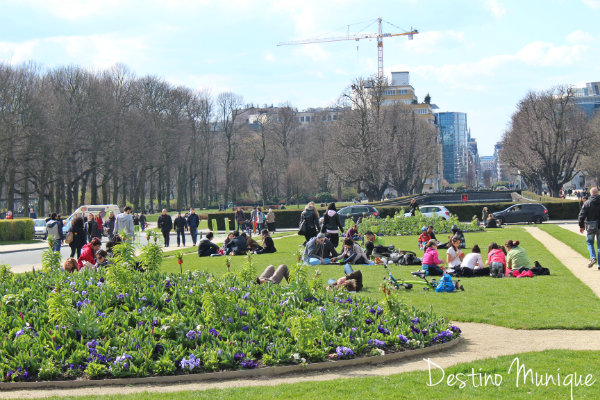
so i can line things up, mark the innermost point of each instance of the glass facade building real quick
(454, 136)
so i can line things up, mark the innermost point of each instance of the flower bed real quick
(404, 226)
(120, 322)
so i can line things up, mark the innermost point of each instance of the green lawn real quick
(571, 239)
(560, 364)
(3, 242)
(509, 302)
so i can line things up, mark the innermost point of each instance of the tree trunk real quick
(115, 193)
(94, 186)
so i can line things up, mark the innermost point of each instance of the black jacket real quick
(310, 220)
(92, 229)
(332, 222)
(165, 223)
(206, 248)
(109, 225)
(78, 237)
(269, 245)
(180, 223)
(193, 221)
(590, 211)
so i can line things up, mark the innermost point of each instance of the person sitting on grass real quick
(274, 276)
(496, 261)
(352, 253)
(228, 243)
(375, 246)
(70, 265)
(516, 257)
(314, 251)
(252, 244)
(353, 233)
(491, 222)
(454, 255)
(268, 246)
(431, 260)
(456, 232)
(424, 237)
(239, 244)
(352, 281)
(472, 264)
(206, 247)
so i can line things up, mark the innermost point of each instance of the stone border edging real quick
(229, 375)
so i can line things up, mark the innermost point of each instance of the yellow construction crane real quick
(379, 36)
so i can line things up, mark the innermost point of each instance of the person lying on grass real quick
(431, 260)
(352, 253)
(352, 281)
(270, 274)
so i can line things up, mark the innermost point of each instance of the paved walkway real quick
(569, 257)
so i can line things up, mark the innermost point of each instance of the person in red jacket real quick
(88, 253)
(99, 222)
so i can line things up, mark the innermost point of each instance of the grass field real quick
(509, 302)
(561, 365)
(571, 239)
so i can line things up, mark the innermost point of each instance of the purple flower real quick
(100, 314)
(232, 289)
(143, 299)
(78, 304)
(250, 364)
(26, 375)
(191, 291)
(92, 344)
(443, 337)
(9, 374)
(245, 328)
(321, 309)
(246, 296)
(239, 356)
(191, 335)
(19, 333)
(455, 328)
(167, 300)
(123, 359)
(376, 343)
(190, 363)
(353, 329)
(213, 332)
(415, 330)
(154, 323)
(229, 319)
(142, 323)
(102, 280)
(120, 296)
(84, 293)
(403, 338)
(415, 320)
(368, 321)
(344, 352)
(383, 330)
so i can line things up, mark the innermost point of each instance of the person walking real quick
(414, 206)
(78, 237)
(240, 218)
(91, 228)
(180, 225)
(193, 222)
(589, 216)
(260, 219)
(271, 221)
(124, 222)
(32, 214)
(332, 225)
(142, 221)
(253, 218)
(165, 224)
(109, 225)
(54, 229)
(309, 222)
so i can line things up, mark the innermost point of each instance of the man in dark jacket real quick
(309, 223)
(180, 225)
(206, 247)
(193, 222)
(142, 221)
(109, 225)
(589, 216)
(165, 224)
(414, 206)
(239, 245)
(91, 228)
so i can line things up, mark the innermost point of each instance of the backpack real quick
(539, 270)
(445, 284)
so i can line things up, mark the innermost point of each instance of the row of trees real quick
(550, 139)
(69, 136)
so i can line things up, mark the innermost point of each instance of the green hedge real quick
(12, 230)
(283, 218)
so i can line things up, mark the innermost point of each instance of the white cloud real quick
(497, 8)
(431, 42)
(76, 9)
(269, 57)
(547, 54)
(580, 37)
(592, 3)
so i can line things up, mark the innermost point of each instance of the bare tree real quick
(548, 137)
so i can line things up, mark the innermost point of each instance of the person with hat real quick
(424, 237)
(456, 233)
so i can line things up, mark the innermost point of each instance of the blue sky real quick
(479, 57)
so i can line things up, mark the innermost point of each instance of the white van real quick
(102, 209)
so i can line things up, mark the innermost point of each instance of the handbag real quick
(591, 227)
(69, 238)
(302, 228)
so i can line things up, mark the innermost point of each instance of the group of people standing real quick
(257, 222)
(180, 225)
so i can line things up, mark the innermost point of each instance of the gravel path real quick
(480, 341)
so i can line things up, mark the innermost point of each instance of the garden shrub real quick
(402, 226)
(119, 322)
(12, 230)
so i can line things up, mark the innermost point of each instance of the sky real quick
(474, 56)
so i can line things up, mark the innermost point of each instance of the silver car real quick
(429, 211)
(39, 228)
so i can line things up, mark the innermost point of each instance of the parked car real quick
(527, 212)
(102, 209)
(39, 228)
(355, 212)
(429, 211)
